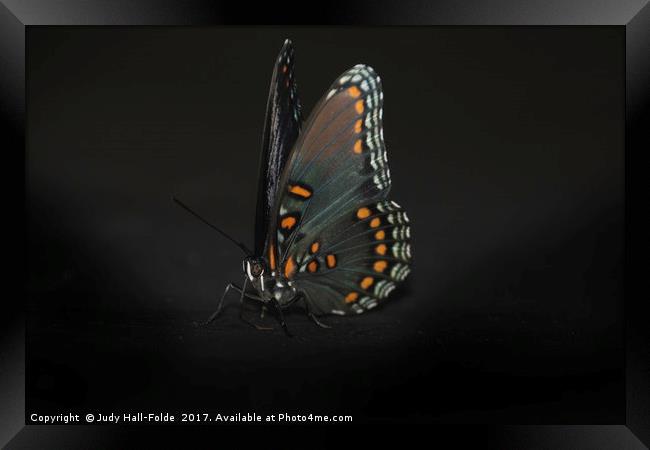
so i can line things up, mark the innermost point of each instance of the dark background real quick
(505, 147)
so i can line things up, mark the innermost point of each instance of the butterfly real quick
(326, 234)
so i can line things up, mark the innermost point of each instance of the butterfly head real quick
(254, 269)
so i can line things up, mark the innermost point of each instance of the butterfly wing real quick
(361, 261)
(281, 130)
(336, 234)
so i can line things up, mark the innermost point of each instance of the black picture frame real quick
(17, 15)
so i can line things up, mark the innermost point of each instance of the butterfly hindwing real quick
(281, 129)
(360, 259)
(335, 233)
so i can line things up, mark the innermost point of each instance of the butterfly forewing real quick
(340, 158)
(335, 233)
(281, 130)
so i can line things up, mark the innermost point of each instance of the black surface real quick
(506, 149)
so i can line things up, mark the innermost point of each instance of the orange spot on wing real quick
(374, 223)
(312, 266)
(357, 126)
(381, 249)
(314, 247)
(358, 106)
(367, 282)
(362, 213)
(380, 235)
(351, 297)
(358, 147)
(284, 69)
(288, 222)
(300, 191)
(272, 257)
(380, 266)
(354, 91)
(331, 261)
(289, 267)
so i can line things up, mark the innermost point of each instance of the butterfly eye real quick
(256, 269)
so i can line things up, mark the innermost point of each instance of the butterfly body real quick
(270, 287)
(326, 232)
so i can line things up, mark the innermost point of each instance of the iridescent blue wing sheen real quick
(281, 130)
(336, 235)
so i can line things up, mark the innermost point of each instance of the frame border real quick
(634, 15)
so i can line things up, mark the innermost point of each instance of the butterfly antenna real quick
(221, 232)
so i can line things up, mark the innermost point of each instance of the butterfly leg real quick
(243, 293)
(311, 314)
(278, 308)
(220, 304)
(241, 312)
